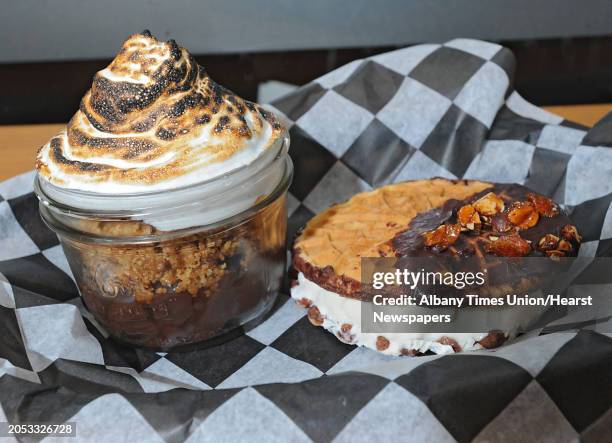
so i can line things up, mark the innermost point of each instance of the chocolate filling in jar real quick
(176, 269)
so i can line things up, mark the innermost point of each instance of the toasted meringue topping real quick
(154, 120)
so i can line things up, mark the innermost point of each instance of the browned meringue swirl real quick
(154, 119)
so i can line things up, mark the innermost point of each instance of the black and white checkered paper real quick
(430, 110)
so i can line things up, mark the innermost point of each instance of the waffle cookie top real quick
(436, 217)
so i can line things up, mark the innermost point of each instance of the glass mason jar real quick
(170, 269)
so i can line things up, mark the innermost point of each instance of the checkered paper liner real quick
(430, 110)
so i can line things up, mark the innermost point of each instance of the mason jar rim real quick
(52, 210)
(40, 185)
(228, 223)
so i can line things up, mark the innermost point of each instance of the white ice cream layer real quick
(338, 310)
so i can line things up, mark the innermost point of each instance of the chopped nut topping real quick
(523, 215)
(509, 246)
(548, 242)
(443, 236)
(489, 204)
(468, 217)
(564, 245)
(500, 223)
(570, 232)
(544, 205)
(495, 220)
(315, 317)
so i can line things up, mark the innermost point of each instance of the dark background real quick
(49, 51)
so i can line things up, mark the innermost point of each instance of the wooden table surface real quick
(19, 143)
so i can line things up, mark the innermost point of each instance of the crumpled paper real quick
(429, 110)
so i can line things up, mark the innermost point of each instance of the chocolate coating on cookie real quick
(412, 241)
(503, 250)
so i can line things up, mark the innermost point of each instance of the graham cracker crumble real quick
(194, 265)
